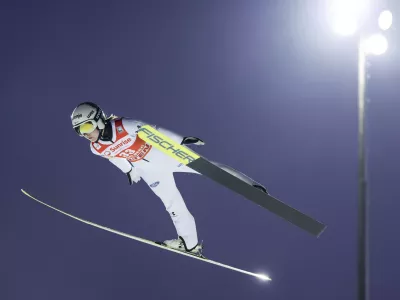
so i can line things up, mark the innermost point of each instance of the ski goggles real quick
(87, 127)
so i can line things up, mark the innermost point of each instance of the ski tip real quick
(25, 192)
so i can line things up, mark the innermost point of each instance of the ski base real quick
(257, 196)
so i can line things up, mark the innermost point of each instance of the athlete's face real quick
(93, 136)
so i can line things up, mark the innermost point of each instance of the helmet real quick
(86, 117)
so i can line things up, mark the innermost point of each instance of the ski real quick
(200, 164)
(152, 243)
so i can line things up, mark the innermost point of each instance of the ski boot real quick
(179, 244)
(260, 187)
(241, 176)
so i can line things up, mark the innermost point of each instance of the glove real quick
(133, 176)
(192, 140)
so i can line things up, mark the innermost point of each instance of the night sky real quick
(269, 88)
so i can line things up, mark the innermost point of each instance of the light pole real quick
(350, 17)
(362, 243)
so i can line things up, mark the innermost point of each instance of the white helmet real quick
(90, 114)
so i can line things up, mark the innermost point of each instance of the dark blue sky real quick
(268, 87)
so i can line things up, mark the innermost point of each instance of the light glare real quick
(346, 15)
(376, 44)
(385, 20)
(345, 25)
